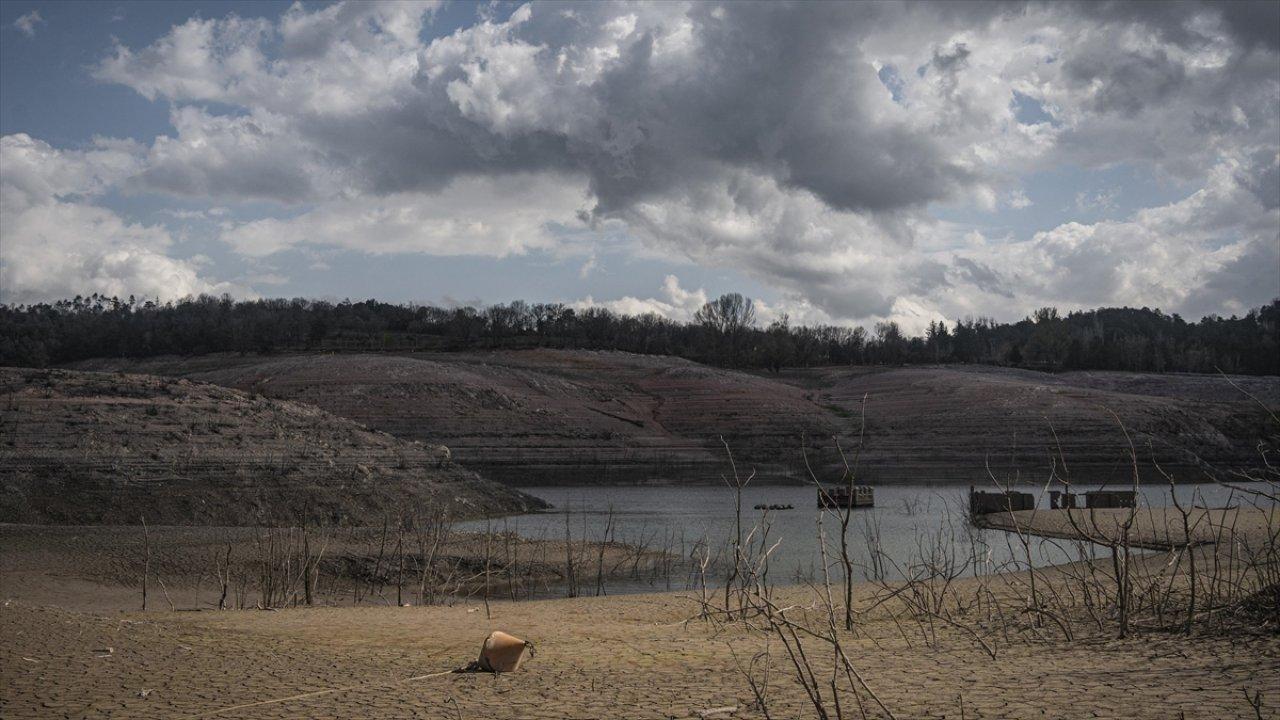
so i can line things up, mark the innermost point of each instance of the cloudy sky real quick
(838, 162)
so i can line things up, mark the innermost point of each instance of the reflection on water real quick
(908, 523)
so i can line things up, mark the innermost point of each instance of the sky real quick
(838, 163)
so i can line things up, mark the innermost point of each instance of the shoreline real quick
(1153, 528)
(635, 656)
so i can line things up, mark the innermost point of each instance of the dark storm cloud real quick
(1133, 80)
(1191, 86)
(779, 89)
(1130, 82)
(982, 276)
(1242, 284)
(1262, 178)
(926, 276)
(767, 88)
(425, 144)
(804, 144)
(1251, 23)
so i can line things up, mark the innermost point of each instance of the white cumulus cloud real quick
(55, 244)
(26, 24)
(806, 146)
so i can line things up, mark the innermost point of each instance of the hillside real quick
(556, 417)
(87, 448)
(536, 417)
(952, 423)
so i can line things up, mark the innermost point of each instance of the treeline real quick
(724, 332)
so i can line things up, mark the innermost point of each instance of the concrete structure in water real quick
(985, 503)
(1059, 500)
(841, 497)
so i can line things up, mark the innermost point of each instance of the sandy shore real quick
(612, 657)
(1156, 528)
(637, 656)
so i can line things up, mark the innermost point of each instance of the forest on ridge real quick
(724, 332)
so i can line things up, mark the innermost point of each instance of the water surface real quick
(908, 524)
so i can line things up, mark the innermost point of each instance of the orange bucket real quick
(503, 653)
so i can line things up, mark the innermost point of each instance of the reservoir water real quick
(907, 524)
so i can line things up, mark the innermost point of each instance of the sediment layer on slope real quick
(88, 448)
(560, 417)
(544, 416)
(972, 423)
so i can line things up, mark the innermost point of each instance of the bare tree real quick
(728, 314)
(146, 560)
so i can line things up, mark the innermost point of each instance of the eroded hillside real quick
(84, 448)
(544, 416)
(964, 423)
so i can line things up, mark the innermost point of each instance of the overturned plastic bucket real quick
(503, 653)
